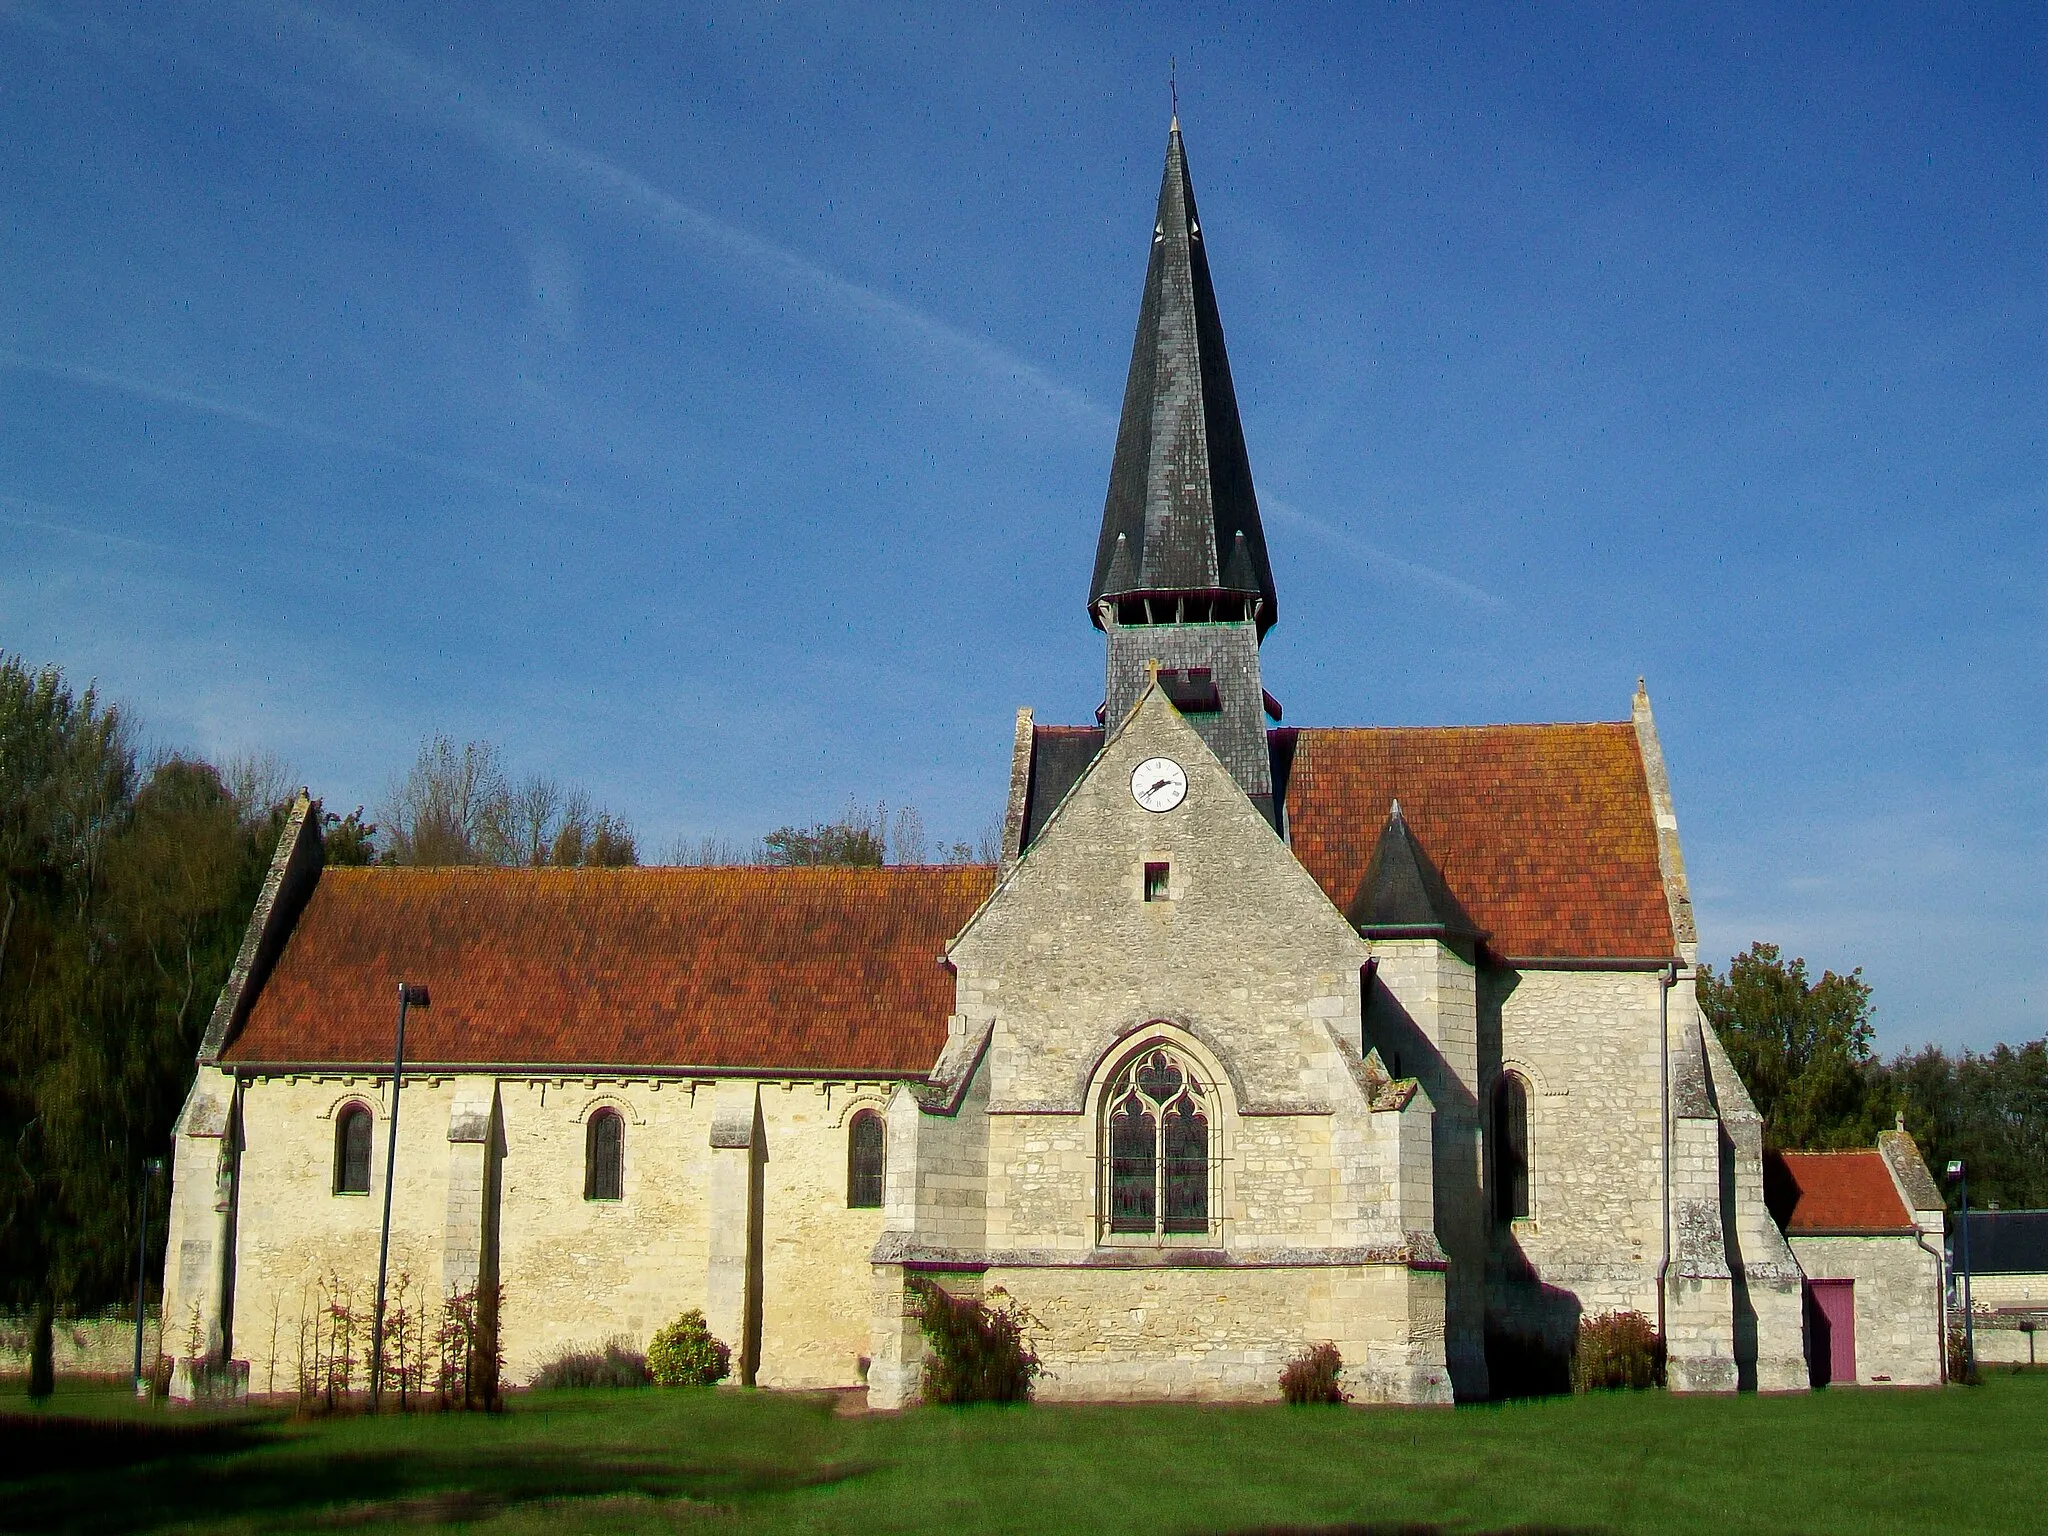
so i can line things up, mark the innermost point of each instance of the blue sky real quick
(713, 406)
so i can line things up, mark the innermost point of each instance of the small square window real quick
(1155, 882)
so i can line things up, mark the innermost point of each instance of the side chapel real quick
(1258, 1036)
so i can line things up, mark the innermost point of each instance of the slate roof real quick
(831, 971)
(1181, 515)
(1403, 893)
(1060, 754)
(1545, 834)
(2008, 1243)
(1817, 1194)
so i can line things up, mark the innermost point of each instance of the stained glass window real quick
(352, 1152)
(1510, 1149)
(867, 1154)
(1158, 1148)
(604, 1156)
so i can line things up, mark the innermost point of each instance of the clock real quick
(1159, 784)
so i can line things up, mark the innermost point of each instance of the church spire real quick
(1181, 539)
(1182, 587)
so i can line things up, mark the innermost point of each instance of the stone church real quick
(1258, 1036)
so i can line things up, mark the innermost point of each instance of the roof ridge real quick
(1494, 725)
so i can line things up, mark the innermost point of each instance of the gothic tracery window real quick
(1510, 1149)
(352, 1151)
(1159, 1120)
(604, 1156)
(866, 1159)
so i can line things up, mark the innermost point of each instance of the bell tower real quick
(1181, 575)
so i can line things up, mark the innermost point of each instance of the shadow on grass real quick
(1414, 1529)
(42, 1445)
(106, 1479)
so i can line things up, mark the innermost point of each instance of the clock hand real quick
(1162, 784)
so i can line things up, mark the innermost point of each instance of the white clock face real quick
(1159, 784)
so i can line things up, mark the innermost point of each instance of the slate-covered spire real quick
(1404, 894)
(1181, 523)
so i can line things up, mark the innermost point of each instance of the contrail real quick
(514, 138)
(169, 394)
(1372, 556)
(51, 521)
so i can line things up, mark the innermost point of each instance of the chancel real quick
(1259, 1036)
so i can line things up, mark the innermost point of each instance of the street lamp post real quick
(408, 996)
(152, 1169)
(1961, 1175)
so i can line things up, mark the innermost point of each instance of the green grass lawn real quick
(559, 1462)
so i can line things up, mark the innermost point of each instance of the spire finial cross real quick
(1173, 86)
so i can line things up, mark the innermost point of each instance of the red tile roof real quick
(783, 970)
(1544, 832)
(1840, 1192)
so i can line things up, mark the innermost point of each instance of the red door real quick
(1831, 1331)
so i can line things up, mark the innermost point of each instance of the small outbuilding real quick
(1866, 1228)
(2008, 1261)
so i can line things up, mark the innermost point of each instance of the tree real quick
(123, 907)
(66, 774)
(1802, 1048)
(347, 840)
(451, 807)
(857, 840)
(1990, 1111)
(455, 806)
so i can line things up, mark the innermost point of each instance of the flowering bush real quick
(684, 1354)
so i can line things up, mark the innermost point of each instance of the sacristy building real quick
(1258, 1036)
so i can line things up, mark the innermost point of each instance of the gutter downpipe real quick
(1666, 980)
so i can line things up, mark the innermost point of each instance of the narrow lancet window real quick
(1159, 1149)
(352, 1151)
(867, 1160)
(1510, 1149)
(604, 1156)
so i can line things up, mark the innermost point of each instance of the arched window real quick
(604, 1156)
(352, 1150)
(1158, 1148)
(867, 1159)
(1510, 1149)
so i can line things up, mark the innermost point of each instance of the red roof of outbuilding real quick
(785, 970)
(1545, 833)
(1834, 1192)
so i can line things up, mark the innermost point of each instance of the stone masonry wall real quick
(1586, 1041)
(1223, 1335)
(575, 1272)
(1898, 1303)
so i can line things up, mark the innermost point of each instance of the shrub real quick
(1617, 1349)
(975, 1353)
(616, 1365)
(1313, 1376)
(684, 1354)
(1962, 1368)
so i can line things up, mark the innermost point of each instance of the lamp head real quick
(412, 995)
(1955, 1170)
